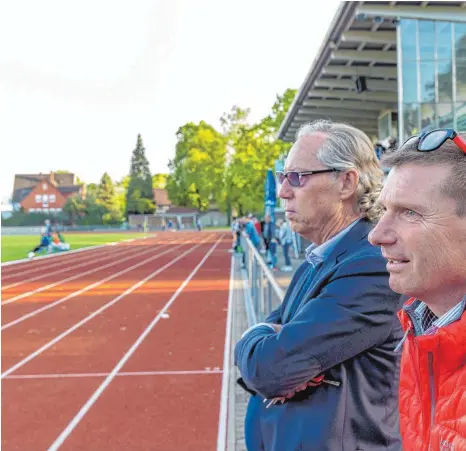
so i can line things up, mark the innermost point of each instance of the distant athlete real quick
(44, 243)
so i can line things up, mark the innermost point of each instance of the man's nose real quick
(285, 191)
(382, 234)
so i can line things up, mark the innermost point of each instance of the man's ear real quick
(348, 183)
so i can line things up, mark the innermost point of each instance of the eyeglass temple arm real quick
(460, 142)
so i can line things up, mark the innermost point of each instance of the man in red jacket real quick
(423, 236)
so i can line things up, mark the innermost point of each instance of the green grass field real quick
(16, 247)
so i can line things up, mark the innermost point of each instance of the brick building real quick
(45, 193)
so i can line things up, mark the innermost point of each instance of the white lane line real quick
(72, 259)
(222, 419)
(69, 267)
(74, 251)
(61, 281)
(95, 396)
(90, 287)
(95, 313)
(122, 374)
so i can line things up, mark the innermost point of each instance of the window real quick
(428, 117)
(460, 41)
(38, 198)
(411, 120)
(461, 80)
(427, 72)
(32, 210)
(58, 209)
(52, 198)
(45, 198)
(44, 186)
(445, 115)
(409, 39)
(461, 116)
(426, 40)
(444, 40)
(410, 82)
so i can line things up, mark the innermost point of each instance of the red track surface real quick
(127, 378)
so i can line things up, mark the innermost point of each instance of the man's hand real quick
(316, 381)
(276, 327)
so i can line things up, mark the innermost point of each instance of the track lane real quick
(182, 396)
(26, 339)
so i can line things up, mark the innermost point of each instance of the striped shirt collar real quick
(315, 254)
(419, 312)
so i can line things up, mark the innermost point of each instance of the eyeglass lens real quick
(432, 140)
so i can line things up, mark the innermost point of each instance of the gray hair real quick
(347, 147)
(449, 155)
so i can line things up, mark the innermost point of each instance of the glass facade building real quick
(431, 76)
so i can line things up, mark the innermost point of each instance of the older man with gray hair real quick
(322, 369)
(423, 236)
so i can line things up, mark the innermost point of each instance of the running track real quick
(118, 348)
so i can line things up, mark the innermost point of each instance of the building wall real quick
(214, 219)
(45, 197)
(432, 76)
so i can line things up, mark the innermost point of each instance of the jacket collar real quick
(352, 238)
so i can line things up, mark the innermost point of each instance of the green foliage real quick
(159, 181)
(20, 218)
(140, 181)
(91, 189)
(255, 149)
(106, 198)
(141, 205)
(227, 168)
(196, 172)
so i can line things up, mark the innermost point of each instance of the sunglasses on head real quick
(436, 138)
(294, 177)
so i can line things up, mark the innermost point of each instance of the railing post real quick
(269, 298)
(262, 284)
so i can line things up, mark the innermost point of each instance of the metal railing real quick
(261, 290)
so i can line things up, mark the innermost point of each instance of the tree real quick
(91, 189)
(159, 180)
(140, 180)
(121, 188)
(74, 208)
(141, 204)
(254, 149)
(196, 172)
(107, 199)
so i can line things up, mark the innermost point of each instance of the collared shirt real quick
(426, 323)
(315, 255)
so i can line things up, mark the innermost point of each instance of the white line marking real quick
(122, 374)
(90, 402)
(59, 254)
(222, 421)
(61, 281)
(89, 287)
(95, 313)
(117, 253)
(100, 251)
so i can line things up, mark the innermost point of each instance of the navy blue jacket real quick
(343, 326)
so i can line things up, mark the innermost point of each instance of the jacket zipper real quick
(413, 343)
(430, 358)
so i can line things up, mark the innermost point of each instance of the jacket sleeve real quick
(354, 312)
(274, 317)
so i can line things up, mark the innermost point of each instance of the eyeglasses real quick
(294, 178)
(436, 138)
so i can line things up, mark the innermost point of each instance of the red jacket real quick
(433, 388)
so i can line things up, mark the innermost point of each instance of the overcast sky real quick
(80, 80)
